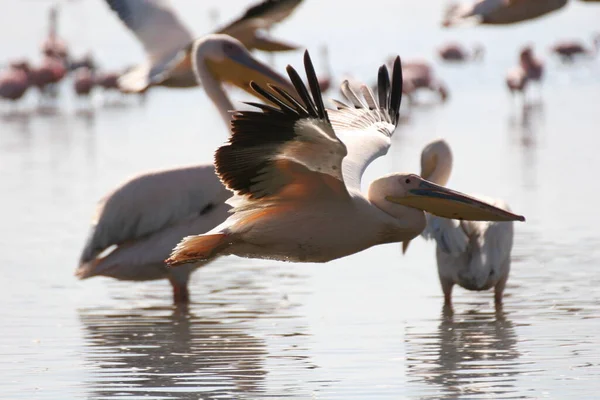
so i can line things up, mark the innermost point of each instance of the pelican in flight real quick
(138, 223)
(499, 12)
(296, 171)
(471, 254)
(168, 42)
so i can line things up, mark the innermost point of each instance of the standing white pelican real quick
(471, 254)
(499, 12)
(145, 217)
(296, 170)
(168, 42)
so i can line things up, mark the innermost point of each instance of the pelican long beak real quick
(241, 69)
(448, 203)
(405, 246)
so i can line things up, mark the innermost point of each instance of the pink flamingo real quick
(419, 74)
(516, 81)
(567, 50)
(53, 46)
(45, 77)
(456, 52)
(83, 82)
(15, 80)
(533, 67)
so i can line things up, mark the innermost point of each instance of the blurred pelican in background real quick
(498, 12)
(137, 224)
(471, 254)
(167, 41)
(296, 171)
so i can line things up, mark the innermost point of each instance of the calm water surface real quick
(367, 326)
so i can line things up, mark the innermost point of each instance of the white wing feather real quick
(155, 24)
(366, 132)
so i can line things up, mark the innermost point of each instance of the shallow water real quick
(367, 326)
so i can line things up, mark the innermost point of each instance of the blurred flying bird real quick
(497, 12)
(296, 171)
(471, 254)
(138, 223)
(168, 42)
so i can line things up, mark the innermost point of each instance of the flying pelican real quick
(168, 42)
(498, 12)
(296, 172)
(138, 223)
(455, 52)
(471, 254)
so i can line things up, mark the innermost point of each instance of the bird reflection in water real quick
(524, 129)
(169, 353)
(471, 354)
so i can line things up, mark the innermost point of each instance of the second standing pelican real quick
(471, 254)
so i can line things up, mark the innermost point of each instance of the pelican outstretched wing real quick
(367, 126)
(285, 150)
(155, 24)
(261, 16)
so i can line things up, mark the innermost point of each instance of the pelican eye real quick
(407, 180)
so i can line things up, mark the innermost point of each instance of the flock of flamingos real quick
(294, 166)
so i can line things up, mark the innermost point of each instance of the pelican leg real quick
(181, 293)
(499, 289)
(447, 286)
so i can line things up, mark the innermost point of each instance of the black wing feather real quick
(383, 87)
(243, 164)
(396, 95)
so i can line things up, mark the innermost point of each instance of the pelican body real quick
(472, 254)
(296, 167)
(138, 223)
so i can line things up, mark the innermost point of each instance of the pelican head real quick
(229, 61)
(412, 191)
